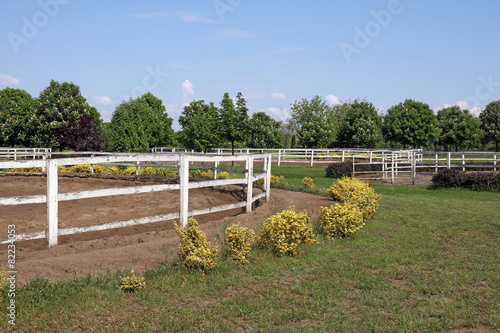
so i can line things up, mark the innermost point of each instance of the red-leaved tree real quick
(82, 134)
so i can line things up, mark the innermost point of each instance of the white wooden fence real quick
(53, 197)
(24, 153)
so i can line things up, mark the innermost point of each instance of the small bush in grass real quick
(284, 232)
(340, 220)
(354, 191)
(194, 248)
(132, 282)
(63, 169)
(239, 240)
(339, 170)
(307, 182)
(278, 181)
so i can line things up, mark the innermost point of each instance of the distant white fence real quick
(24, 153)
(306, 156)
(182, 161)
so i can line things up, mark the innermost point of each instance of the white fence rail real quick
(53, 197)
(24, 153)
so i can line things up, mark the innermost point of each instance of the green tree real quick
(490, 122)
(459, 128)
(264, 131)
(361, 125)
(312, 122)
(55, 107)
(234, 119)
(139, 125)
(200, 126)
(16, 109)
(410, 124)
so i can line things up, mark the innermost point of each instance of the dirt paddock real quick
(137, 247)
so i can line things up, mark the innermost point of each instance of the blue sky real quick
(274, 52)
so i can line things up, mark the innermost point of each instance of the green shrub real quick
(339, 170)
(475, 180)
(354, 191)
(340, 220)
(132, 283)
(284, 232)
(239, 240)
(194, 248)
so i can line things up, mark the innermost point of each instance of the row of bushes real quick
(448, 178)
(285, 232)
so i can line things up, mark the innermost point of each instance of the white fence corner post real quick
(312, 157)
(184, 189)
(51, 232)
(249, 183)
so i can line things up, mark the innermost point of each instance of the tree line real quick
(60, 118)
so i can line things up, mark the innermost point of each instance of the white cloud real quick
(462, 105)
(279, 114)
(332, 99)
(475, 111)
(187, 89)
(438, 109)
(278, 95)
(7, 80)
(193, 18)
(102, 100)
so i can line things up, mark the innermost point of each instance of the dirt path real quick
(137, 247)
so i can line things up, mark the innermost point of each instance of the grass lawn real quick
(427, 261)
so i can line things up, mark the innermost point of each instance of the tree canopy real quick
(264, 131)
(312, 122)
(200, 126)
(410, 124)
(233, 119)
(16, 109)
(459, 128)
(140, 124)
(361, 125)
(490, 122)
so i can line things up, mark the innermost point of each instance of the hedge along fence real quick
(183, 162)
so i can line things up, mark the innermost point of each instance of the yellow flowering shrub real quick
(132, 282)
(28, 170)
(63, 169)
(354, 191)
(81, 168)
(114, 170)
(223, 175)
(278, 180)
(130, 171)
(282, 233)
(307, 182)
(239, 240)
(194, 248)
(340, 220)
(148, 171)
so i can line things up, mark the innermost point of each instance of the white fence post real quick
(52, 204)
(463, 163)
(249, 164)
(495, 161)
(92, 167)
(268, 179)
(312, 157)
(279, 157)
(436, 169)
(414, 167)
(448, 162)
(184, 189)
(214, 177)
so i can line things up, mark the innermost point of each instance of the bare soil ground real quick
(137, 247)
